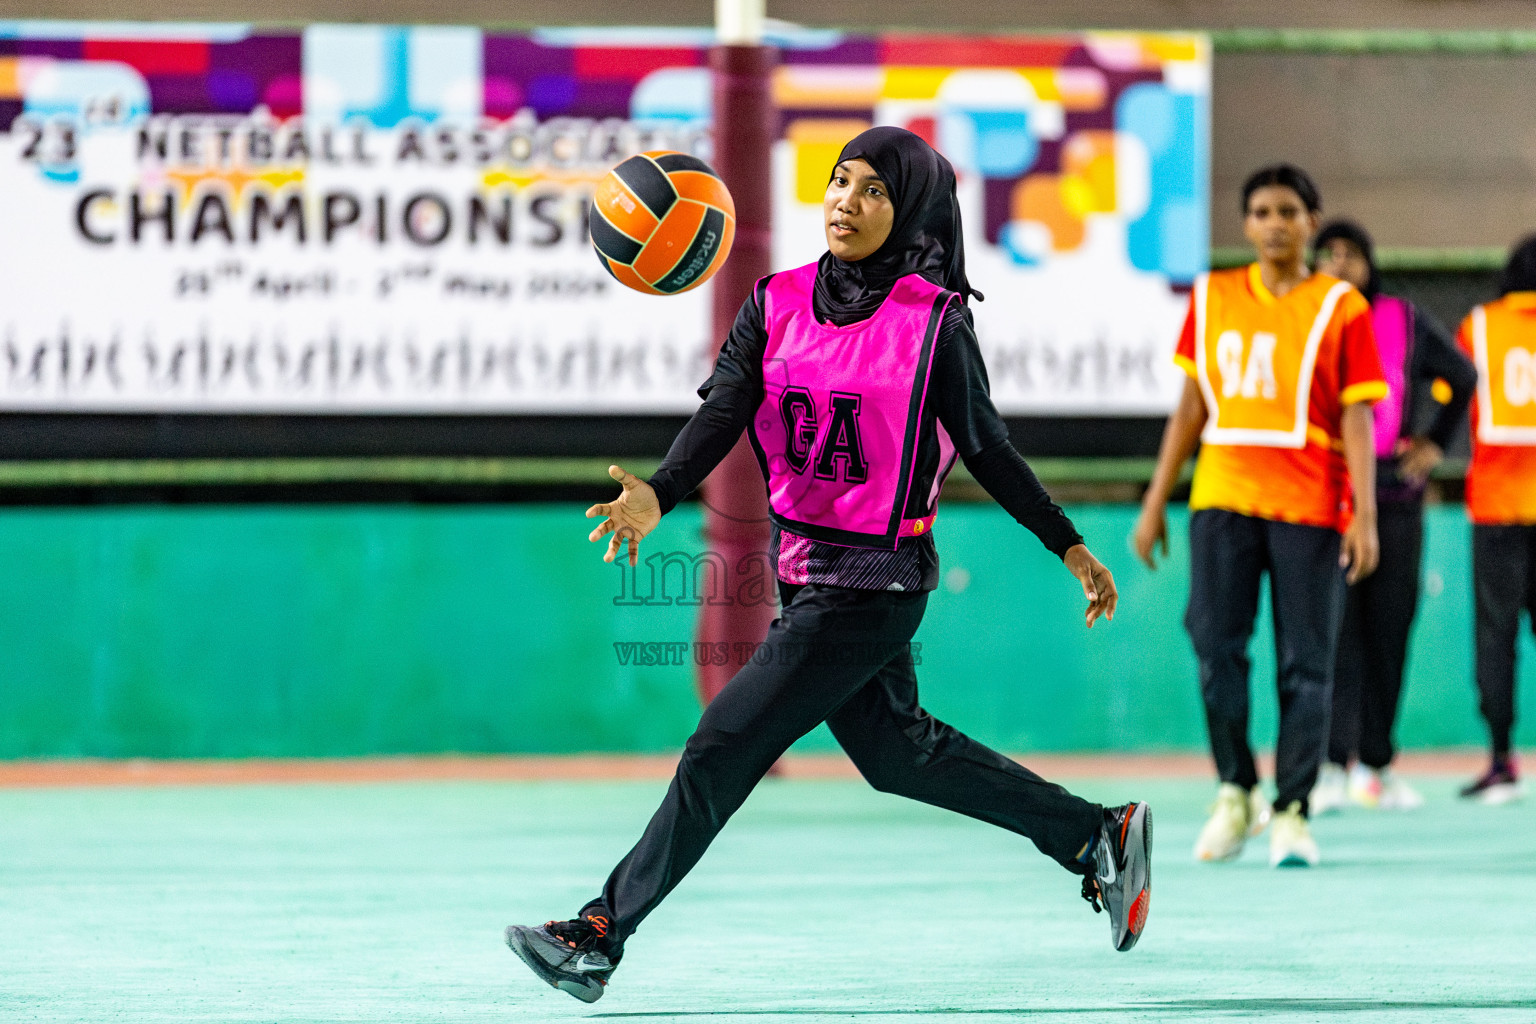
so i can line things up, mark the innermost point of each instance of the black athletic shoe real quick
(1122, 872)
(1500, 784)
(566, 954)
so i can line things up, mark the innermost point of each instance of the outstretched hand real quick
(631, 516)
(1098, 584)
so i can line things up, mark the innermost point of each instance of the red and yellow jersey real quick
(1276, 373)
(1501, 481)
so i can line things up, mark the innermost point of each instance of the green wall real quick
(214, 631)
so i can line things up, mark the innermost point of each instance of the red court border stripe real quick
(35, 774)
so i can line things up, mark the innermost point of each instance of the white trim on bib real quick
(1488, 431)
(1296, 437)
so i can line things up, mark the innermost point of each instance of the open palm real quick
(631, 516)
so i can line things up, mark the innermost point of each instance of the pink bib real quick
(1392, 321)
(837, 430)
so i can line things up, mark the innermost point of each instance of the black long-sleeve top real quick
(1434, 356)
(960, 395)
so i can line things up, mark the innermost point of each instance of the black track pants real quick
(1504, 582)
(1373, 643)
(1229, 555)
(841, 656)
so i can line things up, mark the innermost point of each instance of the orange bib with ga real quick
(1501, 481)
(1504, 348)
(1255, 359)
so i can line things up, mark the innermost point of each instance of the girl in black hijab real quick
(839, 653)
(925, 236)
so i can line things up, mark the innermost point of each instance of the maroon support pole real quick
(736, 507)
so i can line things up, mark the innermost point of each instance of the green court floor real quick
(822, 901)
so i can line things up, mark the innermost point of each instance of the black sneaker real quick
(566, 954)
(1122, 872)
(1500, 784)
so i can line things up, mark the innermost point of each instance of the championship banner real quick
(364, 219)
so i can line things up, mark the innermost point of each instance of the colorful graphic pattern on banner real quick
(390, 219)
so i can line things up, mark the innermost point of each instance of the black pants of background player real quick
(1229, 555)
(1373, 642)
(842, 657)
(1504, 582)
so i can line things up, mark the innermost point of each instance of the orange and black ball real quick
(662, 222)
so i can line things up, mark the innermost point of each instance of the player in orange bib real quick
(1283, 369)
(1501, 499)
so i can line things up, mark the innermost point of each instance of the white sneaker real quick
(1290, 842)
(1230, 824)
(1331, 791)
(1365, 786)
(1397, 795)
(1260, 810)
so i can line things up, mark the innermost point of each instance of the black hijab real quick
(1352, 232)
(925, 234)
(1520, 272)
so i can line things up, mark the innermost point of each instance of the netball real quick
(662, 222)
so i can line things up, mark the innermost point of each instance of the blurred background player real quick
(1416, 351)
(1282, 372)
(876, 369)
(1501, 499)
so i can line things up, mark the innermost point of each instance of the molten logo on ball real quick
(662, 222)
